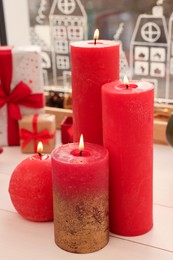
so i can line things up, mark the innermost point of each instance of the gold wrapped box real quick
(162, 113)
(60, 114)
(160, 124)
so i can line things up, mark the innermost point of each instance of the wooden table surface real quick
(21, 239)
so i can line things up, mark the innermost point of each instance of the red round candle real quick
(128, 136)
(80, 188)
(30, 188)
(92, 66)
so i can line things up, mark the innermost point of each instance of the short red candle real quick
(128, 136)
(92, 66)
(80, 188)
(30, 188)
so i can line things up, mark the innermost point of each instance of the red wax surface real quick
(92, 66)
(75, 175)
(128, 136)
(30, 188)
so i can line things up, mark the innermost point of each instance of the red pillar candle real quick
(128, 136)
(92, 66)
(30, 188)
(80, 188)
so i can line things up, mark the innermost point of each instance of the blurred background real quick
(54, 24)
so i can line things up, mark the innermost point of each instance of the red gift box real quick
(21, 89)
(67, 130)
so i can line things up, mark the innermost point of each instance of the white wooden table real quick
(24, 240)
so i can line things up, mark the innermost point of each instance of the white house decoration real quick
(40, 35)
(68, 22)
(124, 66)
(149, 51)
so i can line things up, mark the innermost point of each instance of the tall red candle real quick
(80, 188)
(128, 136)
(92, 66)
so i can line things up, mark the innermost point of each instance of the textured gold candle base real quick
(81, 225)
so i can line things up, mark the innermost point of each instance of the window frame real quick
(3, 37)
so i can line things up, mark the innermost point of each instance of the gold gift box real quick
(160, 124)
(162, 113)
(60, 114)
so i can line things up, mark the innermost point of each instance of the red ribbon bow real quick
(21, 95)
(28, 136)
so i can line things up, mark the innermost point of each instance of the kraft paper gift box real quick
(21, 89)
(35, 128)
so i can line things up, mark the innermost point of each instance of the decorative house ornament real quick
(68, 23)
(124, 66)
(54, 26)
(152, 51)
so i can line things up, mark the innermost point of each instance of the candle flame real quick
(126, 81)
(40, 147)
(81, 143)
(96, 34)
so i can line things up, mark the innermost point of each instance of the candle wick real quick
(127, 86)
(40, 156)
(95, 40)
(80, 153)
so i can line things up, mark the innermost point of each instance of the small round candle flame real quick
(40, 149)
(96, 35)
(126, 81)
(81, 145)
